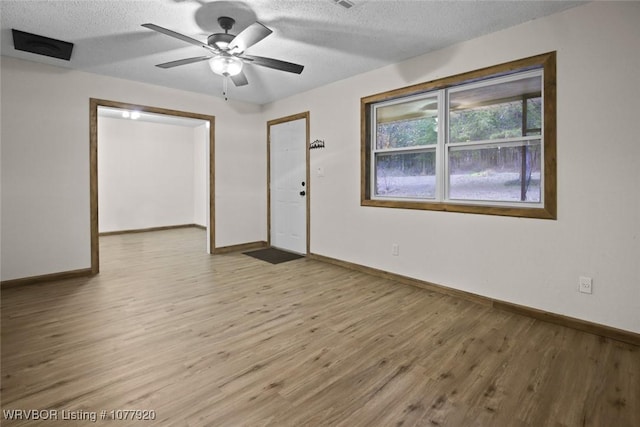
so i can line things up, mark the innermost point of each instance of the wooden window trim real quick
(547, 62)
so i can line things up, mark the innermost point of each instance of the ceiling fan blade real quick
(276, 64)
(240, 79)
(248, 37)
(183, 62)
(178, 36)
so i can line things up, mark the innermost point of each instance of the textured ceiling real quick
(332, 42)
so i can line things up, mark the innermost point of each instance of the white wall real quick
(525, 261)
(201, 176)
(45, 163)
(146, 174)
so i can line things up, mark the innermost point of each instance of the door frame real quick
(94, 103)
(306, 116)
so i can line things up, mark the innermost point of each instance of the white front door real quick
(288, 164)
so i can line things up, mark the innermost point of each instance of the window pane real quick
(407, 124)
(494, 111)
(406, 175)
(495, 174)
(534, 116)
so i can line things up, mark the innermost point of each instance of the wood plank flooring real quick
(229, 340)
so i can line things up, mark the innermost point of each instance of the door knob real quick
(302, 193)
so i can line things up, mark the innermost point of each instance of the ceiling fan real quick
(226, 52)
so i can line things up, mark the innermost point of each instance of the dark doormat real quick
(273, 255)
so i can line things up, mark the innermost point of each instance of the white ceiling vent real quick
(344, 3)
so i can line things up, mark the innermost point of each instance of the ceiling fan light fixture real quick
(225, 65)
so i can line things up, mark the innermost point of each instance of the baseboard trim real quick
(144, 230)
(63, 275)
(570, 322)
(202, 227)
(240, 247)
(403, 279)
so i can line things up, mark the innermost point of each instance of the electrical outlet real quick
(395, 249)
(585, 285)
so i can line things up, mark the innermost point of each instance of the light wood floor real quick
(230, 340)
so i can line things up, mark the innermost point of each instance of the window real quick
(405, 149)
(481, 142)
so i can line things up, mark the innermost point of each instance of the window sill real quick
(539, 213)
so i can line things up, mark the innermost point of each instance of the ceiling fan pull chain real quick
(225, 85)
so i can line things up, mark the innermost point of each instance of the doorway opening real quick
(288, 186)
(151, 113)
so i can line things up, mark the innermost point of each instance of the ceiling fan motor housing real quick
(220, 40)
